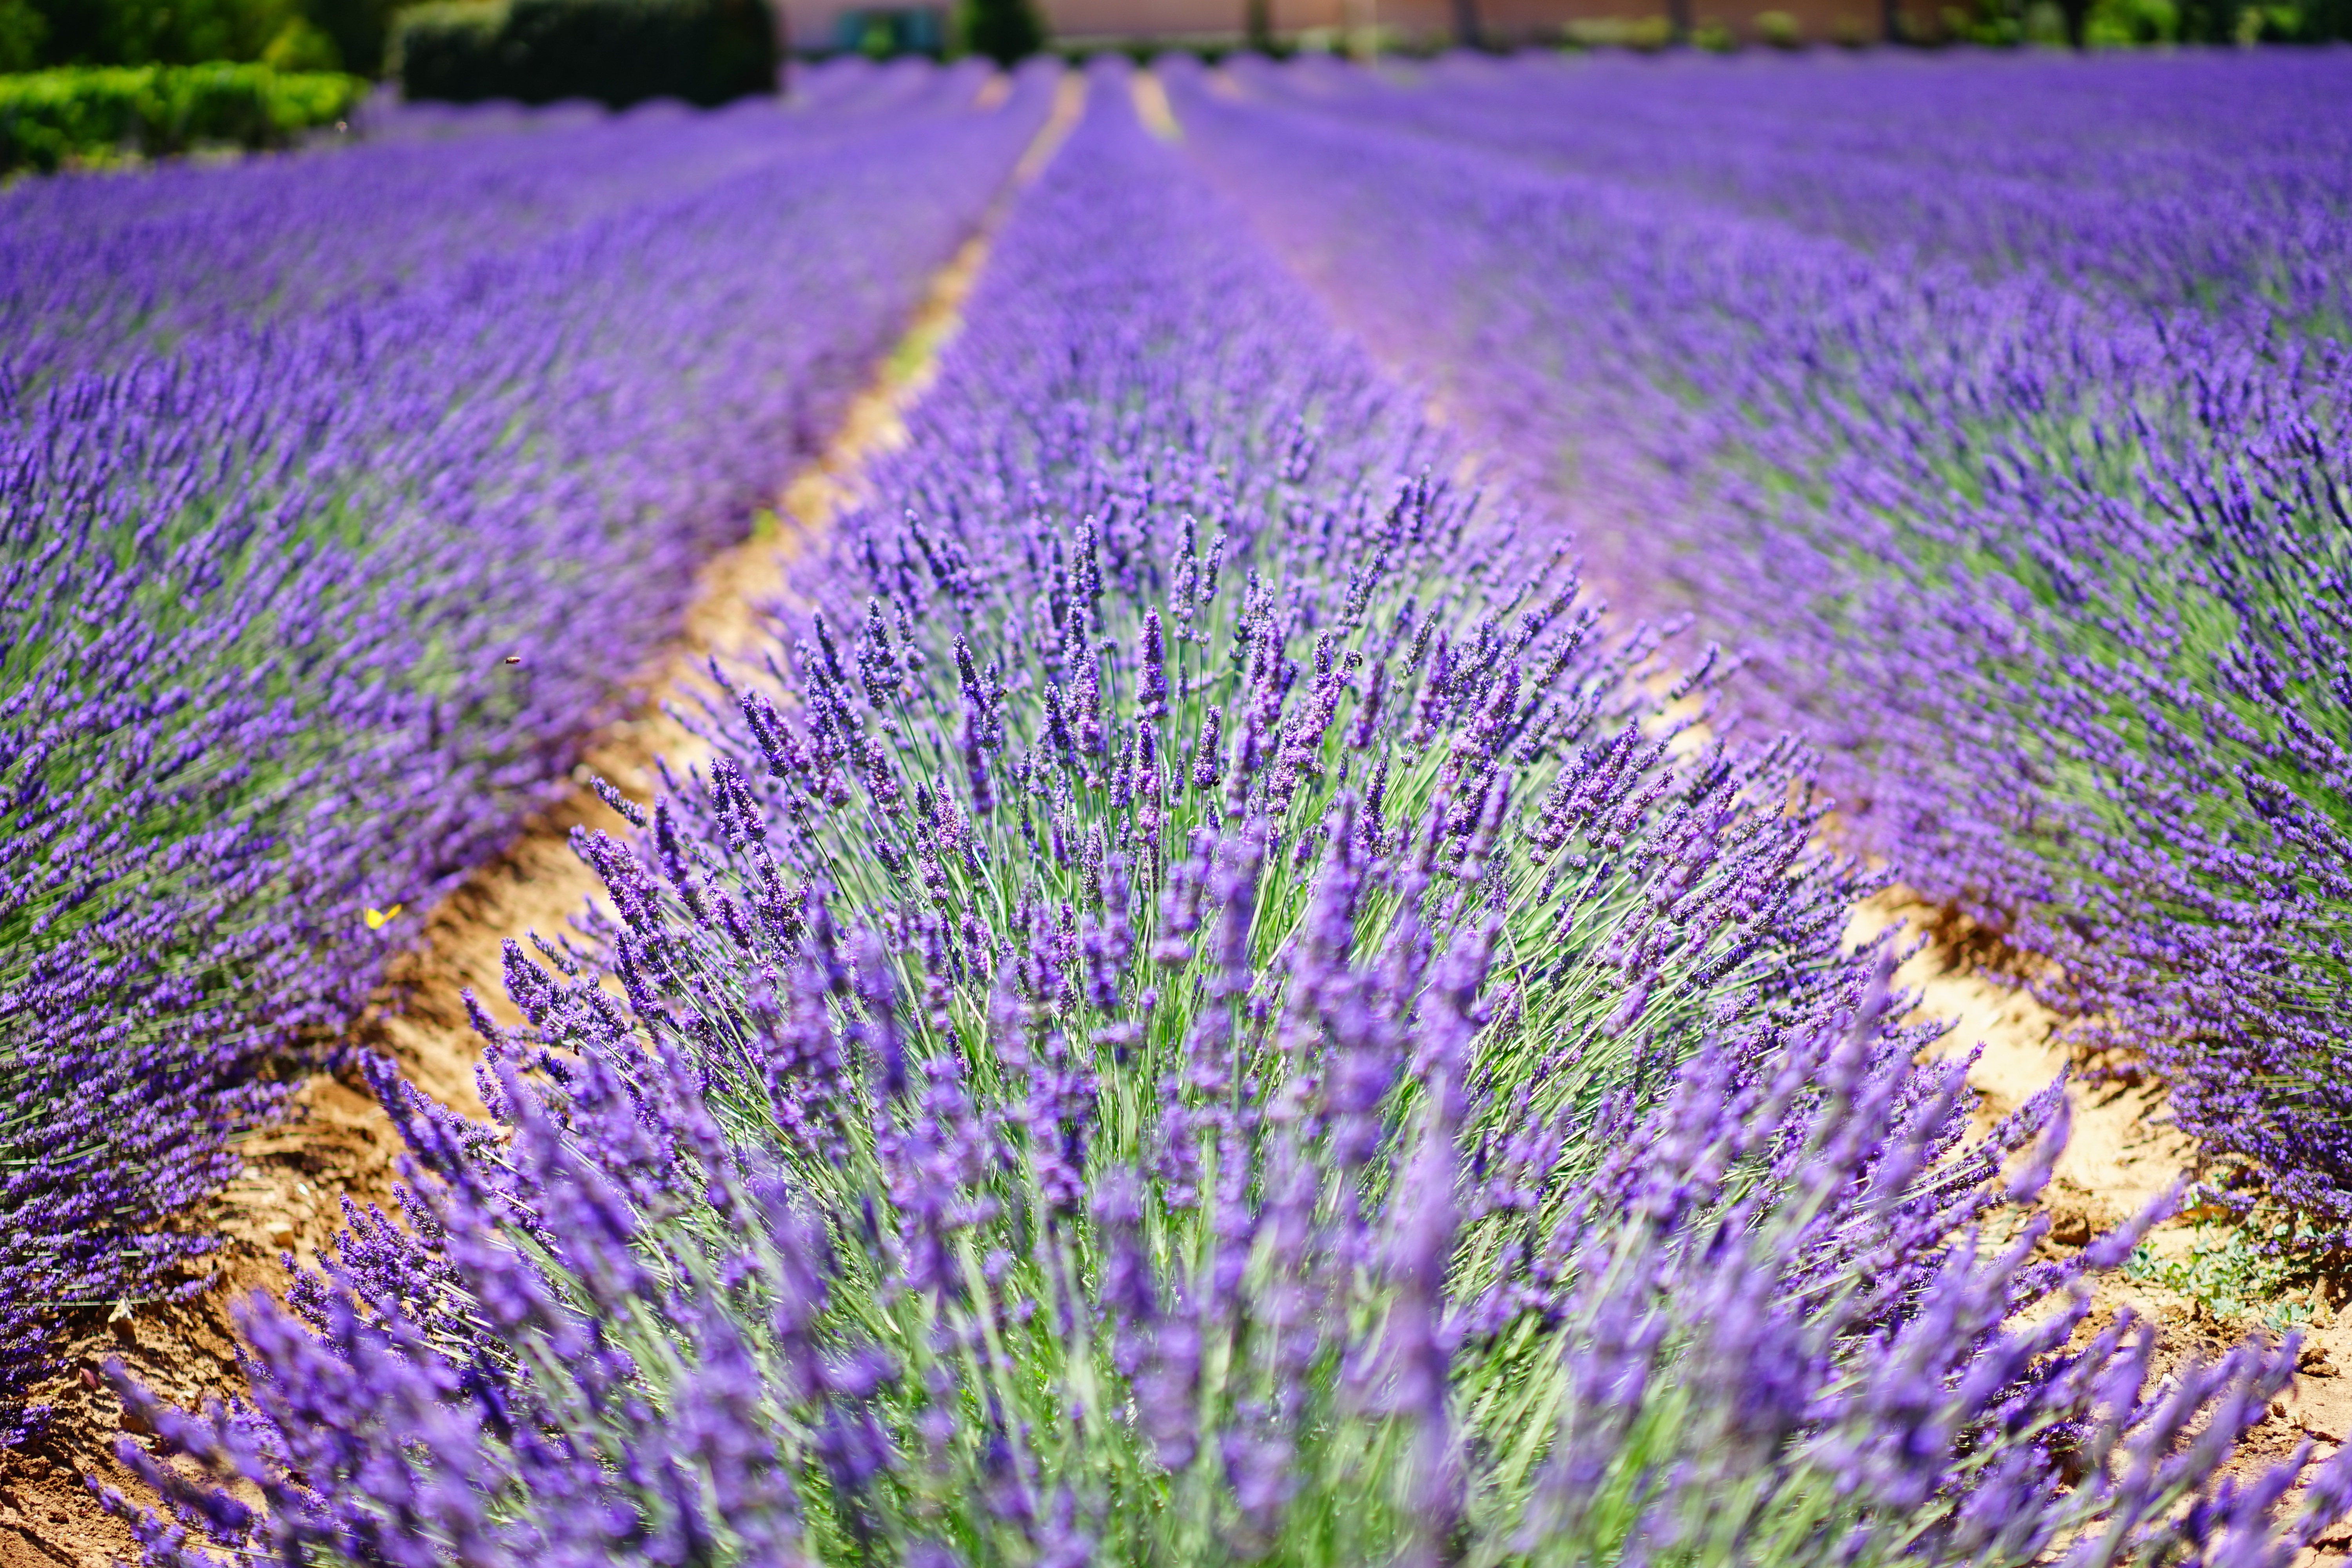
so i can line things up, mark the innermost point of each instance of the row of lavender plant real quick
(1200, 1014)
(2173, 180)
(95, 274)
(2057, 573)
(293, 604)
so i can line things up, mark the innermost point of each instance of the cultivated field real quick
(1263, 813)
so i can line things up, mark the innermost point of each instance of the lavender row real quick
(294, 607)
(94, 274)
(2175, 180)
(1200, 1012)
(2058, 578)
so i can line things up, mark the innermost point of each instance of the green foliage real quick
(2239, 1272)
(23, 30)
(47, 117)
(2120, 22)
(1647, 34)
(618, 52)
(888, 32)
(1990, 24)
(1003, 31)
(357, 28)
(300, 47)
(186, 32)
(2324, 19)
(2328, 21)
(295, 34)
(447, 49)
(1780, 30)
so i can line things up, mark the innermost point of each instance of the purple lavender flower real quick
(1268, 1180)
(316, 469)
(2016, 483)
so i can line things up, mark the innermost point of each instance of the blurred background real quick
(364, 38)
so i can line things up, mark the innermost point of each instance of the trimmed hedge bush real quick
(618, 52)
(1003, 31)
(447, 49)
(47, 117)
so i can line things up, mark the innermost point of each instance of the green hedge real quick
(616, 51)
(47, 117)
(1003, 31)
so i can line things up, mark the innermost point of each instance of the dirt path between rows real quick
(338, 1143)
(2121, 1155)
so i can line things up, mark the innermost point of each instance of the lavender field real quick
(2018, 476)
(1253, 960)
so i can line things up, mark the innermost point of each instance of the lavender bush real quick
(2039, 526)
(295, 553)
(97, 272)
(1202, 1013)
(2176, 180)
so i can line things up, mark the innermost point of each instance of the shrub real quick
(47, 117)
(357, 29)
(1647, 34)
(1002, 30)
(300, 47)
(2127, 22)
(618, 52)
(23, 31)
(1780, 30)
(888, 32)
(339, 34)
(447, 49)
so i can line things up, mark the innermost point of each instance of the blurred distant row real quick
(102, 80)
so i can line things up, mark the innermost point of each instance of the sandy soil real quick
(538, 884)
(339, 1143)
(1151, 106)
(2123, 1155)
(2120, 1157)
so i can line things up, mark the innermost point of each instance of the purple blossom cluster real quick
(1207, 1008)
(1996, 413)
(306, 491)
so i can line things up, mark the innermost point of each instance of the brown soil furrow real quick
(538, 884)
(2122, 1155)
(338, 1143)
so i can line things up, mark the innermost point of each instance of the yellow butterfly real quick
(375, 918)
